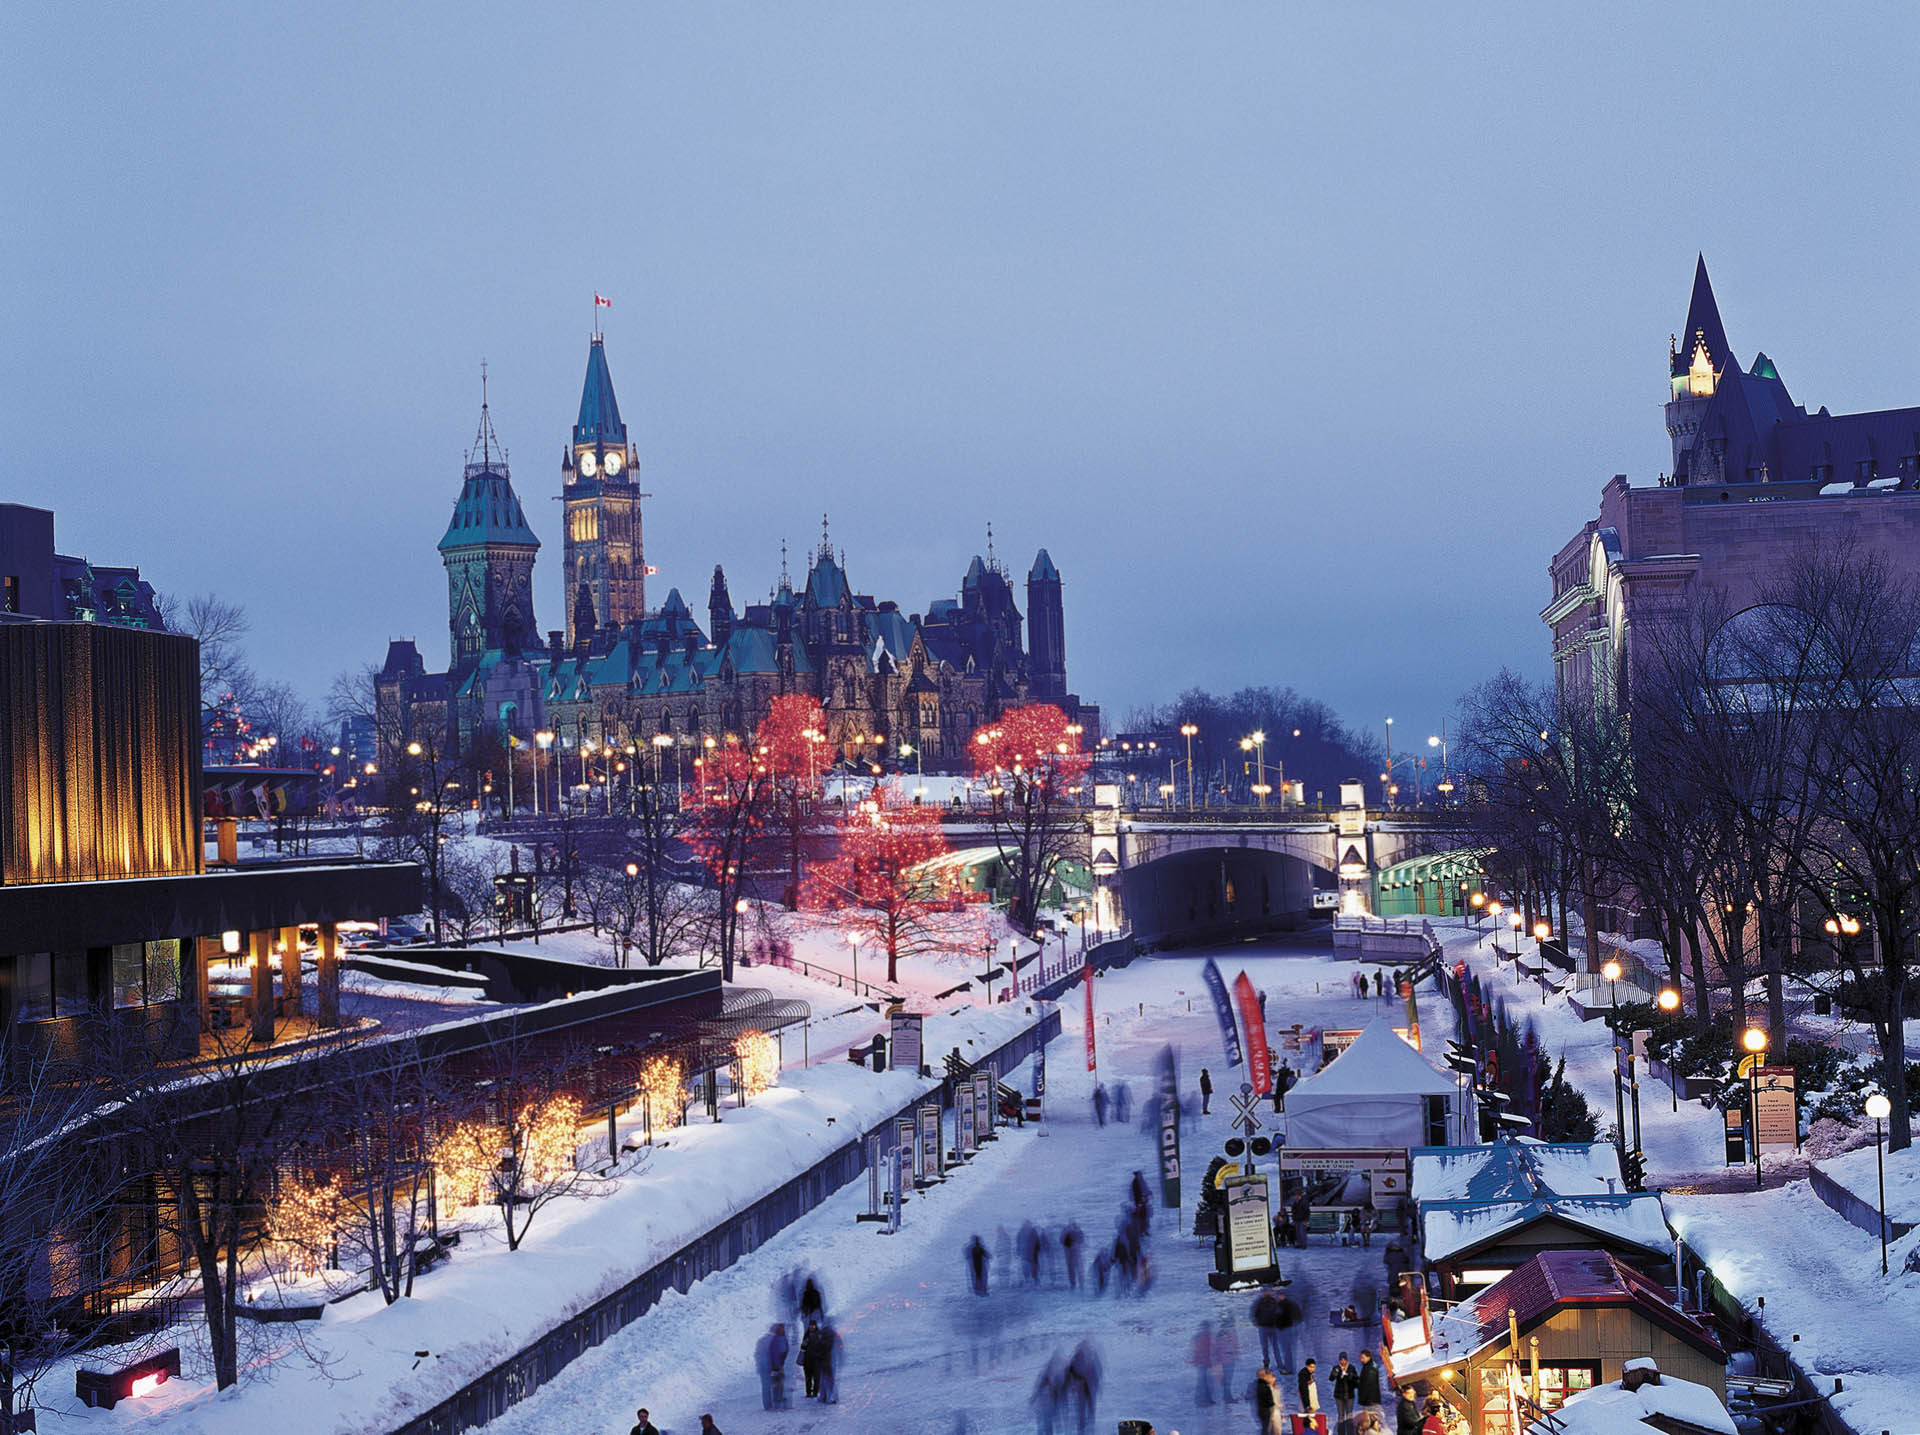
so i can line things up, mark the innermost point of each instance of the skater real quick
(1137, 1189)
(1082, 1385)
(1030, 1253)
(1100, 1104)
(1206, 1092)
(977, 1261)
(810, 1359)
(775, 1389)
(812, 1304)
(707, 1427)
(1226, 1355)
(1102, 1268)
(1309, 1387)
(1369, 1392)
(643, 1425)
(1048, 1391)
(1369, 1223)
(829, 1357)
(1266, 1402)
(1406, 1415)
(1345, 1377)
(1122, 1103)
(1071, 1239)
(1266, 1320)
(1288, 1331)
(1203, 1364)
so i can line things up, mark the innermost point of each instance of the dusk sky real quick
(1300, 337)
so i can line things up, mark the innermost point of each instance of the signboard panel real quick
(964, 1115)
(928, 1166)
(983, 1095)
(906, 1041)
(1249, 1230)
(1776, 1108)
(903, 1141)
(1334, 1040)
(1386, 1167)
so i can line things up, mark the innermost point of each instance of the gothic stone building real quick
(618, 674)
(1757, 483)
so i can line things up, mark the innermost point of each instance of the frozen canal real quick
(920, 1352)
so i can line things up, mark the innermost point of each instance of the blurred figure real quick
(813, 1304)
(1049, 1389)
(1099, 1104)
(1202, 1359)
(1226, 1355)
(1029, 1253)
(1082, 1385)
(810, 1358)
(776, 1368)
(1071, 1239)
(1267, 1402)
(1266, 1320)
(829, 1361)
(977, 1262)
(1206, 1092)
(1122, 1104)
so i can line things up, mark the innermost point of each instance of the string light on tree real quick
(759, 1057)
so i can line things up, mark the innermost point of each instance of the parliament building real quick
(622, 674)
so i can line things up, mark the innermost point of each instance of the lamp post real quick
(1611, 971)
(543, 740)
(853, 940)
(1189, 731)
(1669, 1002)
(1386, 777)
(1879, 1108)
(1476, 901)
(1754, 1039)
(1445, 787)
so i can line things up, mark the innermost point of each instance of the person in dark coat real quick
(645, 1426)
(1071, 1240)
(1266, 1402)
(1138, 1190)
(1345, 1378)
(707, 1427)
(812, 1304)
(812, 1356)
(977, 1259)
(1309, 1387)
(1266, 1320)
(1100, 1104)
(1406, 1415)
(776, 1387)
(1206, 1092)
(1122, 1103)
(829, 1357)
(1369, 1389)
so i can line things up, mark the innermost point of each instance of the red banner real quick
(1259, 1059)
(1088, 966)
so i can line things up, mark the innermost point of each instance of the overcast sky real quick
(1301, 337)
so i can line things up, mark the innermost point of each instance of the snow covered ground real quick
(368, 1373)
(921, 1353)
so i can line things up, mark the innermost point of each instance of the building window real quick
(48, 985)
(146, 973)
(1557, 1384)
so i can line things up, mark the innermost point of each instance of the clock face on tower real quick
(613, 464)
(589, 465)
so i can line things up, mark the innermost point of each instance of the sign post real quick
(903, 1141)
(1776, 1106)
(1244, 1117)
(893, 1209)
(875, 1159)
(965, 1120)
(1243, 1255)
(931, 1165)
(906, 1041)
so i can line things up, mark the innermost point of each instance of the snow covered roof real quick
(1510, 1170)
(1379, 1063)
(1449, 1228)
(1674, 1407)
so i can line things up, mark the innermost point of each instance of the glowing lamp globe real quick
(1611, 971)
(1754, 1039)
(1878, 1107)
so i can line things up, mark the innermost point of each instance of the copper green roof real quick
(599, 410)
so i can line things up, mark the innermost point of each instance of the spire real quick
(480, 456)
(599, 410)
(1703, 326)
(1043, 570)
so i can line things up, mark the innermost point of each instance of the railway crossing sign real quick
(1244, 1101)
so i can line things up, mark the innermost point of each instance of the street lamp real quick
(1754, 1039)
(1879, 1108)
(853, 940)
(1384, 778)
(1611, 971)
(1189, 731)
(542, 741)
(1477, 901)
(1669, 1002)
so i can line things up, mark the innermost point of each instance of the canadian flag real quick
(601, 302)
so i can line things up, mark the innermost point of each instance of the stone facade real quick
(1758, 483)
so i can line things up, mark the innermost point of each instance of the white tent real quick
(1374, 1094)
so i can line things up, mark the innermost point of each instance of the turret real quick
(1696, 363)
(719, 609)
(1046, 630)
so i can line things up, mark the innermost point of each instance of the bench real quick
(102, 1389)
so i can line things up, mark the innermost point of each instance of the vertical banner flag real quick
(1169, 1128)
(893, 1211)
(1259, 1058)
(1222, 1010)
(1089, 971)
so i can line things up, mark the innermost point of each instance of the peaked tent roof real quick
(1378, 1063)
(1703, 316)
(599, 410)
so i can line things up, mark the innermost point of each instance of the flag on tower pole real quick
(601, 302)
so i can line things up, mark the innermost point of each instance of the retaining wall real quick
(517, 1377)
(1857, 1212)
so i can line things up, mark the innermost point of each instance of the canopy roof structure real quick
(1375, 1093)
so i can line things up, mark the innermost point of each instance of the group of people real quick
(1068, 1391)
(799, 1297)
(1380, 986)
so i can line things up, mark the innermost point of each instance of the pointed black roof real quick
(599, 410)
(1703, 318)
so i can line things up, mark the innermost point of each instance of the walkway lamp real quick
(1189, 731)
(1879, 1108)
(1669, 1002)
(1611, 971)
(1477, 901)
(1754, 1039)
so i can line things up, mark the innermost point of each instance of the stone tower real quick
(604, 556)
(719, 609)
(1046, 631)
(1696, 362)
(488, 551)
